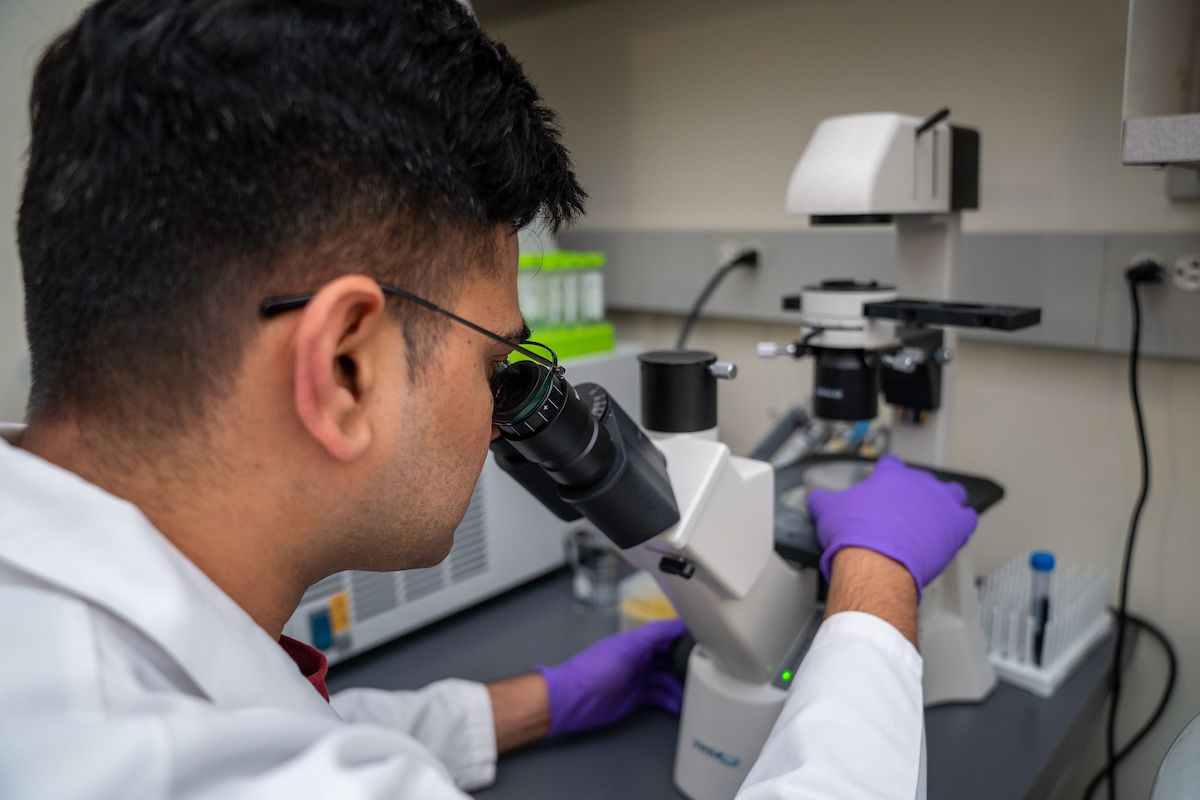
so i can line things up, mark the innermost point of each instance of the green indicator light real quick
(787, 675)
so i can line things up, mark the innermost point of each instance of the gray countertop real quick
(1012, 745)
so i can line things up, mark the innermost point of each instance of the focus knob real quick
(723, 370)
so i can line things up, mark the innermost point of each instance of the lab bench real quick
(1010, 746)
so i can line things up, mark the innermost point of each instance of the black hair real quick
(190, 157)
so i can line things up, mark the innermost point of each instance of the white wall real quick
(26, 27)
(690, 115)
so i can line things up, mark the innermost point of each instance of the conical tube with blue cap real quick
(1042, 564)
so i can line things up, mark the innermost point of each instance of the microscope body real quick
(865, 338)
(743, 604)
(702, 521)
(698, 519)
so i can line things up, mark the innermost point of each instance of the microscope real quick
(696, 517)
(706, 524)
(866, 338)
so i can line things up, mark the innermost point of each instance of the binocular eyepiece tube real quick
(579, 454)
(545, 420)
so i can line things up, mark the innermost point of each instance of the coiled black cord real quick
(1163, 700)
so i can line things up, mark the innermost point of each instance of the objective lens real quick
(845, 385)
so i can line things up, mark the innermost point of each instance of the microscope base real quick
(724, 724)
(954, 671)
(957, 666)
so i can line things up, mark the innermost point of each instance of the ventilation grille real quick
(420, 583)
(373, 593)
(469, 556)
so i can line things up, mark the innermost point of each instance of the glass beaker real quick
(595, 567)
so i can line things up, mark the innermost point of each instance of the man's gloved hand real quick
(613, 677)
(903, 513)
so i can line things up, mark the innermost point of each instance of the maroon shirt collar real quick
(309, 660)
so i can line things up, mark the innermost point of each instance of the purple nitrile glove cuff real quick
(903, 513)
(614, 677)
(874, 545)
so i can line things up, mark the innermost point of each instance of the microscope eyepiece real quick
(543, 417)
(578, 453)
(525, 396)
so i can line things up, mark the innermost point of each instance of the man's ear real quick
(336, 363)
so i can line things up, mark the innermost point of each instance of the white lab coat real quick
(128, 673)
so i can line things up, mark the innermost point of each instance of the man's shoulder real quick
(67, 655)
(52, 644)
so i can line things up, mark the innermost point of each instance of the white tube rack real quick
(1078, 621)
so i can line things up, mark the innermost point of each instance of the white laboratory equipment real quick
(702, 521)
(864, 337)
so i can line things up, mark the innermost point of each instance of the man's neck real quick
(207, 514)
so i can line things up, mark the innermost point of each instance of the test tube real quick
(569, 272)
(1042, 565)
(591, 289)
(529, 293)
(551, 277)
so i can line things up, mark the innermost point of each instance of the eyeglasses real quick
(274, 306)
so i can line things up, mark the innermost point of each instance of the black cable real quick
(1145, 272)
(746, 258)
(1163, 700)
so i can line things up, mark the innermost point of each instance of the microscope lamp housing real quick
(870, 168)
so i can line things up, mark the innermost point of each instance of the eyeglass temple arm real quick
(279, 305)
(434, 307)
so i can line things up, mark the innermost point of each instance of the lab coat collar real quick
(72, 534)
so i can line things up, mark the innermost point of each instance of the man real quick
(193, 459)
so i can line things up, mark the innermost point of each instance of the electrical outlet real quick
(728, 249)
(1185, 273)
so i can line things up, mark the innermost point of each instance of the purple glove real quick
(903, 513)
(613, 677)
